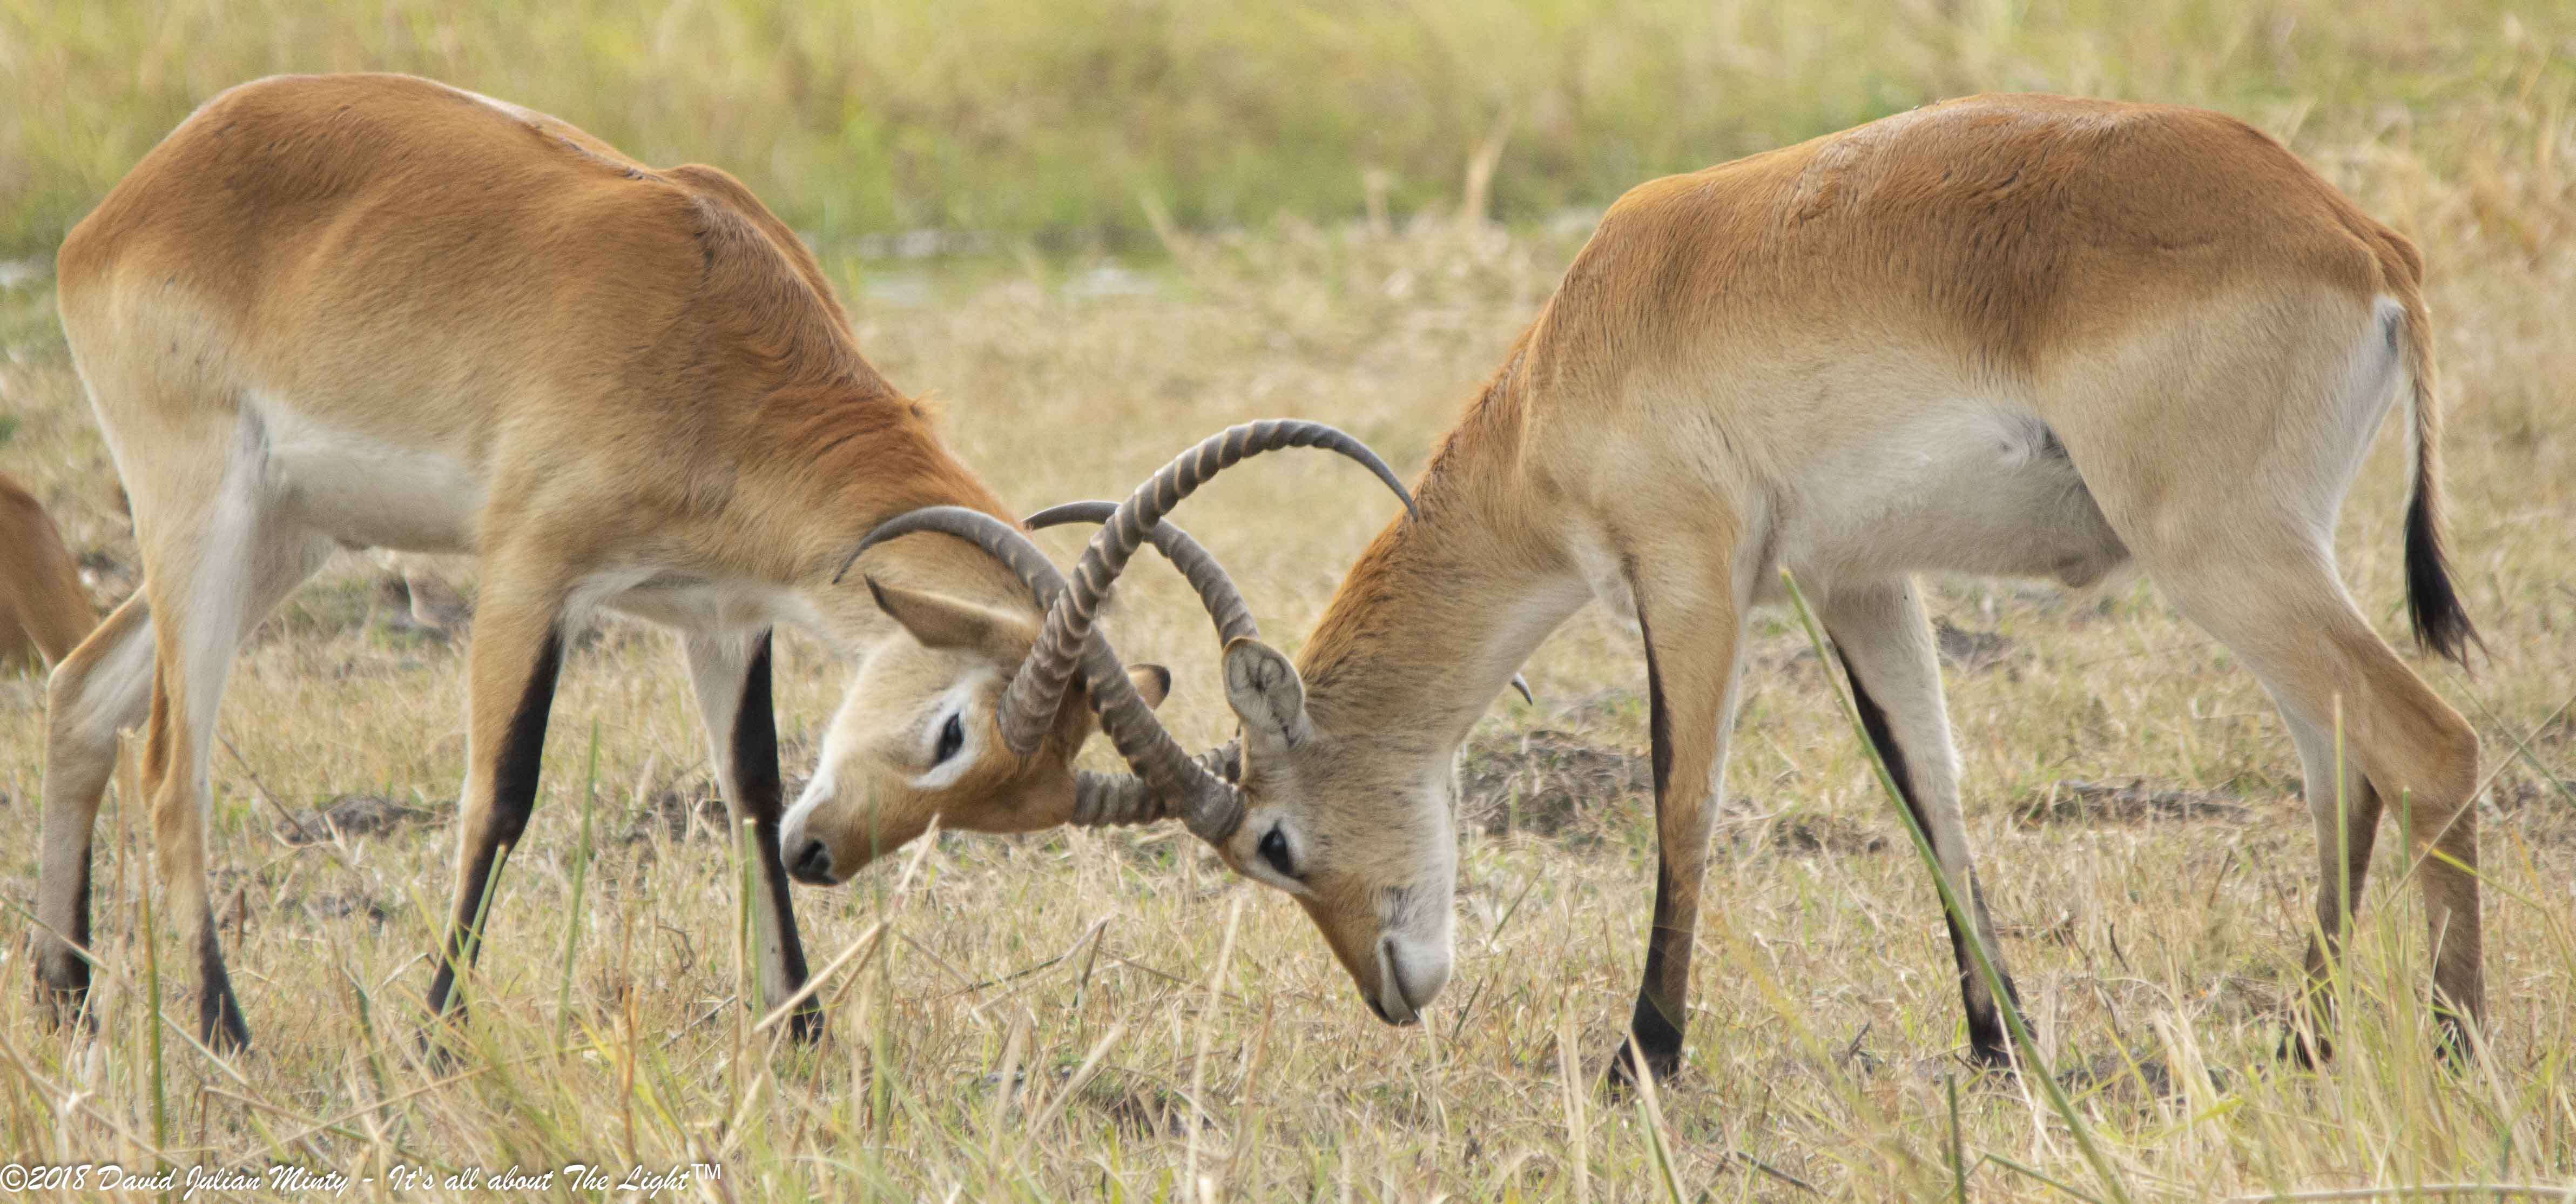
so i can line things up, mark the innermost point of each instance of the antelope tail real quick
(2432, 602)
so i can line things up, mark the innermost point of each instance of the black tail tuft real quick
(2431, 602)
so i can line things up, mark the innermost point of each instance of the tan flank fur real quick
(376, 311)
(2009, 335)
(43, 609)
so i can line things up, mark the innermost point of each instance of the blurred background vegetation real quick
(1073, 125)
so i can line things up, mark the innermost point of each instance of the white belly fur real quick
(1968, 487)
(1964, 488)
(365, 492)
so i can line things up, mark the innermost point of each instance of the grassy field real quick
(1073, 123)
(1026, 1018)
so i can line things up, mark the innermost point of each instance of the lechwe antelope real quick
(2017, 335)
(43, 609)
(374, 310)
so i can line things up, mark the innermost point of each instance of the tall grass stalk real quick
(580, 872)
(1958, 1154)
(151, 934)
(2027, 1049)
(129, 790)
(1570, 1084)
(1659, 1141)
(1192, 1187)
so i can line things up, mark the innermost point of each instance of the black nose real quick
(812, 864)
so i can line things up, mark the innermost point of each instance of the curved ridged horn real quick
(1117, 798)
(1123, 799)
(1215, 588)
(1167, 773)
(1030, 702)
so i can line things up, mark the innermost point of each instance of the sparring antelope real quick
(377, 311)
(43, 609)
(2006, 335)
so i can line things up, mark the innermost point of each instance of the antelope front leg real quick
(731, 673)
(1691, 634)
(517, 650)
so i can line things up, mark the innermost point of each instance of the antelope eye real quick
(952, 736)
(1274, 849)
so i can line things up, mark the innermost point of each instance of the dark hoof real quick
(220, 1024)
(806, 1026)
(62, 1008)
(1994, 1058)
(2453, 1040)
(438, 1044)
(62, 989)
(1620, 1077)
(443, 1034)
(2304, 1047)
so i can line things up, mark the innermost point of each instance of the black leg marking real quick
(1987, 1041)
(80, 916)
(2304, 1042)
(755, 741)
(65, 980)
(219, 1015)
(755, 771)
(1655, 1028)
(514, 795)
(1659, 717)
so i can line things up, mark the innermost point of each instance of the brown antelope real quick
(43, 609)
(376, 311)
(2011, 335)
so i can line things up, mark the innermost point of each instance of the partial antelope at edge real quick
(44, 611)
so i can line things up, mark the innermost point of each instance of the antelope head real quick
(1377, 880)
(931, 729)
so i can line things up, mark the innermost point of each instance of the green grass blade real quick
(580, 872)
(2014, 1023)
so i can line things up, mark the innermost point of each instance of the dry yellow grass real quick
(1029, 1015)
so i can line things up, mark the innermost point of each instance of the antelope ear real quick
(1266, 694)
(1153, 683)
(947, 622)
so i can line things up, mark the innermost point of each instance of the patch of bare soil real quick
(1542, 781)
(2129, 801)
(349, 815)
(677, 815)
(2519, 788)
(1141, 1110)
(2126, 1076)
(1969, 651)
(684, 807)
(348, 903)
(1553, 783)
(2541, 810)
(1803, 833)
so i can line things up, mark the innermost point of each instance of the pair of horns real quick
(1109, 799)
(1167, 780)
